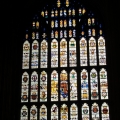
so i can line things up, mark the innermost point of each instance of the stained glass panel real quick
(83, 52)
(24, 113)
(35, 54)
(26, 55)
(34, 87)
(63, 86)
(94, 84)
(63, 53)
(54, 53)
(103, 84)
(43, 112)
(43, 86)
(44, 54)
(92, 52)
(25, 87)
(73, 85)
(101, 51)
(54, 86)
(33, 113)
(64, 112)
(84, 85)
(54, 112)
(72, 53)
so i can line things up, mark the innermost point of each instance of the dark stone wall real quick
(16, 16)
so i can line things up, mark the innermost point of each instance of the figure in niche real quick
(84, 76)
(70, 33)
(43, 95)
(33, 35)
(63, 44)
(56, 34)
(89, 21)
(93, 32)
(44, 46)
(54, 87)
(61, 23)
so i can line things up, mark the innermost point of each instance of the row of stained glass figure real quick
(64, 53)
(63, 112)
(87, 81)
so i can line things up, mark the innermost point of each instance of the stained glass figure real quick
(64, 112)
(24, 113)
(54, 112)
(43, 112)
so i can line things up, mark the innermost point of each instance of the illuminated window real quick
(64, 65)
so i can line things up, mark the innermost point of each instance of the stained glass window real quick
(83, 52)
(44, 54)
(92, 52)
(73, 112)
(103, 84)
(73, 85)
(54, 112)
(94, 84)
(25, 87)
(72, 53)
(63, 53)
(63, 86)
(43, 86)
(54, 86)
(34, 87)
(35, 53)
(54, 53)
(24, 113)
(43, 112)
(84, 85)
(64, 112)
(33, 113)
(26, 55)
(64, 66)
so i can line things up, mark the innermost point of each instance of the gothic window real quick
(64, 65)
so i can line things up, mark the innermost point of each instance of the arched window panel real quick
(73, 85)
(52, 34)
(73, 11)
(58, 3)
(24, 113)
(63, 53)
(46, 14)
(44, 54)
(52, 24)
(33, 113)
(70, 22)
(64, 112)
(54, 53)
(54, 112)
(72, 53)
(33, 35)
(52, 14)
(35, 54)
(101, 51)
(95, 112)
(61, 33)
(83, 52)
(103, 84)
(43, 86)
(69, 11)
(70, 33)
(65, 33)
(92, 52)
(105, 111)
(67, 3)
(84, 85)
(61, 23)
(54, 86)
(37, 35)
(25, 87)
(37, 25)
(65, 12)
(26, 55)
(74, 22)
(61, 12)
(94, 84)
(63, 86)
(33, 25)
(56, 34)
(43, 112)
(56, 13)
(85, 112)
(74, 32)
(56, 23)
(34, 87)
(73, 112)
(65, 23)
